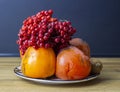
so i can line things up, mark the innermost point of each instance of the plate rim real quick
(50, 81)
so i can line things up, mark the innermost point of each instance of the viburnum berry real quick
(42, 30)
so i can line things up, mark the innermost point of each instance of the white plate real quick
(52, 80)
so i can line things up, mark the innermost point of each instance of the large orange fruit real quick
(38, 63)
(72, 64)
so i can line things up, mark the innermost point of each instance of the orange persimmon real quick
(80, 44)
(38, 63)
(72, 64)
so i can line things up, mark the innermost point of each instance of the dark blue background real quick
(96, 21)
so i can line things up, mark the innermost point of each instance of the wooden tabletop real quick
(108, 81)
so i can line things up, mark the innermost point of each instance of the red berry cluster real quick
(41, 30)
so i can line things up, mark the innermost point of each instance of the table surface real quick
(108, 81)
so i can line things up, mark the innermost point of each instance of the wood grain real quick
(108, 81)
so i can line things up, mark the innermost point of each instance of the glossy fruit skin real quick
(38, 63)
(72, 64)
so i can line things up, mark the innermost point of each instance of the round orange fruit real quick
(80, 44)
(38, 63)
(72, 64)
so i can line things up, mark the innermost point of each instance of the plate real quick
(52, 80)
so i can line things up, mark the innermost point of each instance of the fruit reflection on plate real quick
(52, 80)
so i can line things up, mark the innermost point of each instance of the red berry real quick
(68, 22)
(57, 40)
(42, 12)
(24, 28)
(41, 44)
(62, 33)
(62, 40)
(64, 23)
(45, 38)
(41, 30)
(30, 21)
(44, 26)
(46, 13)
(40, 35)
(50, 30)
(41, 39)
(47, 45)
(48, 17)
(50, 12)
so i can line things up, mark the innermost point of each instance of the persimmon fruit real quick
(81, 44)
(38, 63)
(72, 64)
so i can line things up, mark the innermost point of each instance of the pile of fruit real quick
(47, 48)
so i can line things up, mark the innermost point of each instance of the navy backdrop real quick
(96, 21)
